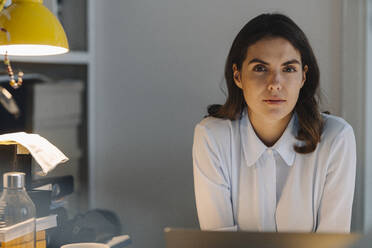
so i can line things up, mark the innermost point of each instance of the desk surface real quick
(181, 238)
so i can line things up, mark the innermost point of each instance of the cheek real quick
(253, 87)
(253, 83)
(253, 93)
(293, 82)
(293, 78)
(294, 93)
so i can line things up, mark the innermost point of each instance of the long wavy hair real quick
(307, 106)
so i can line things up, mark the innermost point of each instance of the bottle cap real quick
(14, 180)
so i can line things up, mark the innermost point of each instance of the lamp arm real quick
(2, 3)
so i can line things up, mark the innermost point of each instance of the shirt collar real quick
(253, 148)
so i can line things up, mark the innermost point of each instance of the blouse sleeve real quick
(211, 184)
(334, 214)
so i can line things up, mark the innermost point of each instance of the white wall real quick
(159, 64)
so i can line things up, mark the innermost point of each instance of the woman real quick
(268, 160)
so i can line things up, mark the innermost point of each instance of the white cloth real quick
(46, 155)
(240, 184)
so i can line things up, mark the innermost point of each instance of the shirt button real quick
(270, 151)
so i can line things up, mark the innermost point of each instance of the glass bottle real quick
(17, 208)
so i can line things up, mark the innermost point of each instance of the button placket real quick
(270, 190)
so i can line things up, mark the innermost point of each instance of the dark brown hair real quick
(307, 109)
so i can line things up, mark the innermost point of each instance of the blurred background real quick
(123, 103)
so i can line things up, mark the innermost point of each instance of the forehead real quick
(273, 49)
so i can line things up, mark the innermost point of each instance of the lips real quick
(274, 101)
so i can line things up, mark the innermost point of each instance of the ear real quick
(304, 71)
(236, 76)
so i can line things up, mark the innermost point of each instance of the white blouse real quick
(241, 184)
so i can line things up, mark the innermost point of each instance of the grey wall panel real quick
(159, 64)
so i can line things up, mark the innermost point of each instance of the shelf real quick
(68, 58)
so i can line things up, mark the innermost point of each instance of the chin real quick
(277, 114)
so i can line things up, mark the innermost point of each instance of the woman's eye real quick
(289, 69)
(259, 68)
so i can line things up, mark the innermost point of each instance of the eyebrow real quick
(255, 60)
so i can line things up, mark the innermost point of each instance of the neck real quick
(269, 131)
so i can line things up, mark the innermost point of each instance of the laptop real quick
(186, 238)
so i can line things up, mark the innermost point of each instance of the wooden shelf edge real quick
(20, 148)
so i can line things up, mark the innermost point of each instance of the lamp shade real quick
(28, 28)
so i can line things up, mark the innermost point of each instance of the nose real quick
(275, 82)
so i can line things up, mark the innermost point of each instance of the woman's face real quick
(271, 78)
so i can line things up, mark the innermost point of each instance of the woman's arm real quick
(212, 187)
(334, 214)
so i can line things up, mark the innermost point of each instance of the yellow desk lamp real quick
(28, 28)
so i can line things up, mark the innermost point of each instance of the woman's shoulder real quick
(211, 122)
(335, 126)
(216, 127)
